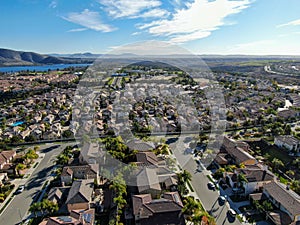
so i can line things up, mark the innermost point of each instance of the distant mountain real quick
(87, 55)
(19, 58)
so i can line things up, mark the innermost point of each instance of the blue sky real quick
(201, 26)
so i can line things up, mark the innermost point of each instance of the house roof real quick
(287, 198)
(279, 217)
(289, 139)
(147, 158)
(2, 159)
(86, 217)
(55, 193)
(81, 191)
(145, 206)
(140, 146)
(229, 143)
(69, 170)
(239, 154)
(8, 154)
(162, 206)
(258, 196)
(174, 196)
(64, 220)
(257, 175)
(147, 179)
(169, 180)
(139, 200)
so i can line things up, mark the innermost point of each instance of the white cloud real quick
(53, 4)
(136, 33)
(90, 20)
(154, 13)
(197, 20)
(291, 23)
(77, 30)
(190, 37)
(147, 48)
(132, 8)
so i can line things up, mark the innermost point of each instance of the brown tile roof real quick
(8, 154)
(145, 206)
(162, 206)
(69, 170)
(239, 154)
(257, 175)
(86, 217)
(174, 196)
(287, 198)
(55, 193)
(139, 200)
(147, 158)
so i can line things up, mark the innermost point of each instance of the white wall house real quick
(287, 141)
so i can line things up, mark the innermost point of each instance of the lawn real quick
(272, 150)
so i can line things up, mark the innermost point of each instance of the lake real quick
(11, 69)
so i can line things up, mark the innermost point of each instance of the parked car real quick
(222, 199)
(232, 212)
(20, 189)
(211, 186)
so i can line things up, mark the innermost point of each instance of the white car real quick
(232, 212)
(20, 189)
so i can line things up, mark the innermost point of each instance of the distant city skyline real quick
(249, 27)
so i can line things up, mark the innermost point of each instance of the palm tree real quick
(190, 206)
(35, 208)
(186, 176)
(241, 179)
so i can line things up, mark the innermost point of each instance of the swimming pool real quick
(17, 123)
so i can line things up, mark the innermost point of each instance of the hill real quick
(19, 58)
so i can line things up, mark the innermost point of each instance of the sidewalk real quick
(22, 181)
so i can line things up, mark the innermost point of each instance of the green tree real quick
(267, 206)
(35, 208)
(277, 164)
(19, 168)
(62, 159)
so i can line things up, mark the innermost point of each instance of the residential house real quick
(163, 211)
(6, 157)
(256, 179)
(76, 217)
(90, 171)
(238, 151)
(147, 182)
(58, 194)
(167, 179)
(91, 153)
(140, 146)
(80, 195)
(287, 201)
(3, 177)
(289, 142)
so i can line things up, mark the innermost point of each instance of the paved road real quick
(19, 206)
(209, 198)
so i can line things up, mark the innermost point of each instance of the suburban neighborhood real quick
(135, 152)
